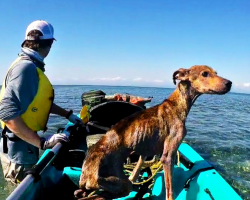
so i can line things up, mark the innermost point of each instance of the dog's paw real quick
(83, 195)
(79, 194)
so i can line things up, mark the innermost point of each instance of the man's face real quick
(44, 52)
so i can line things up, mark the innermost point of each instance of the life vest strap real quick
(4, 137)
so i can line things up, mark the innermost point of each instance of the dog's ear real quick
(181, 74)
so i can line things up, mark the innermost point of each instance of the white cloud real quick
(137, 79)
(158, 81)
(108, 79)
(246, 84)
(118, 78)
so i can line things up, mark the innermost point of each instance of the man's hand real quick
(74, 118)
(50, 142)
(55, 109)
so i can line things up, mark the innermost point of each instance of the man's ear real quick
(181, 74)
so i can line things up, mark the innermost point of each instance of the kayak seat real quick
(108, 114)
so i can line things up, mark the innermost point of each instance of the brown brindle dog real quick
(157, 130)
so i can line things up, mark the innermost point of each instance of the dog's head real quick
(203, 79)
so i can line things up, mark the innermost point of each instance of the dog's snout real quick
(228, 84)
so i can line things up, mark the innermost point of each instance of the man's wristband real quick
(69, 113)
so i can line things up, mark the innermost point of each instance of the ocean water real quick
(218, 128)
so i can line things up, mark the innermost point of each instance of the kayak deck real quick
(202, 182)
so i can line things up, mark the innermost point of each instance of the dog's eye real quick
(205, 74)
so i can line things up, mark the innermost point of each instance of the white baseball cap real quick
(45, 27)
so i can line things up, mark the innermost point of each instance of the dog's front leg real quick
(167, 161)
(137, 169)
(171, 145)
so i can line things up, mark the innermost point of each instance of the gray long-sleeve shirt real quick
(21, 88)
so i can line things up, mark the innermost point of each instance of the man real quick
(26, 100)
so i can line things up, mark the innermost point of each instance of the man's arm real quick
(55, 109)
(22, 131)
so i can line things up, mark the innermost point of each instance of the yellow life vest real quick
(37, 113)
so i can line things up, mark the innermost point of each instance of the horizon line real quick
(162, 87)
(138, 86)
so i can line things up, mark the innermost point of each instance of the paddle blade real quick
(84, 114)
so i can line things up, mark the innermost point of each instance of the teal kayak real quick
(194, 179)
(57, 173)
(201, 182)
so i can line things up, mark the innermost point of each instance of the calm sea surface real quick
(218, 129)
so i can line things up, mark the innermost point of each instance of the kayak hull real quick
(202, 182)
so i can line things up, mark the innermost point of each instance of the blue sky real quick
(133, 42)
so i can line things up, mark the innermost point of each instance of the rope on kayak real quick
(178, 159)
(209, 193)
(187, 183)
(155, 166)
(92, 193)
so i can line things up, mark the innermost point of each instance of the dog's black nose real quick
(229, 84)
